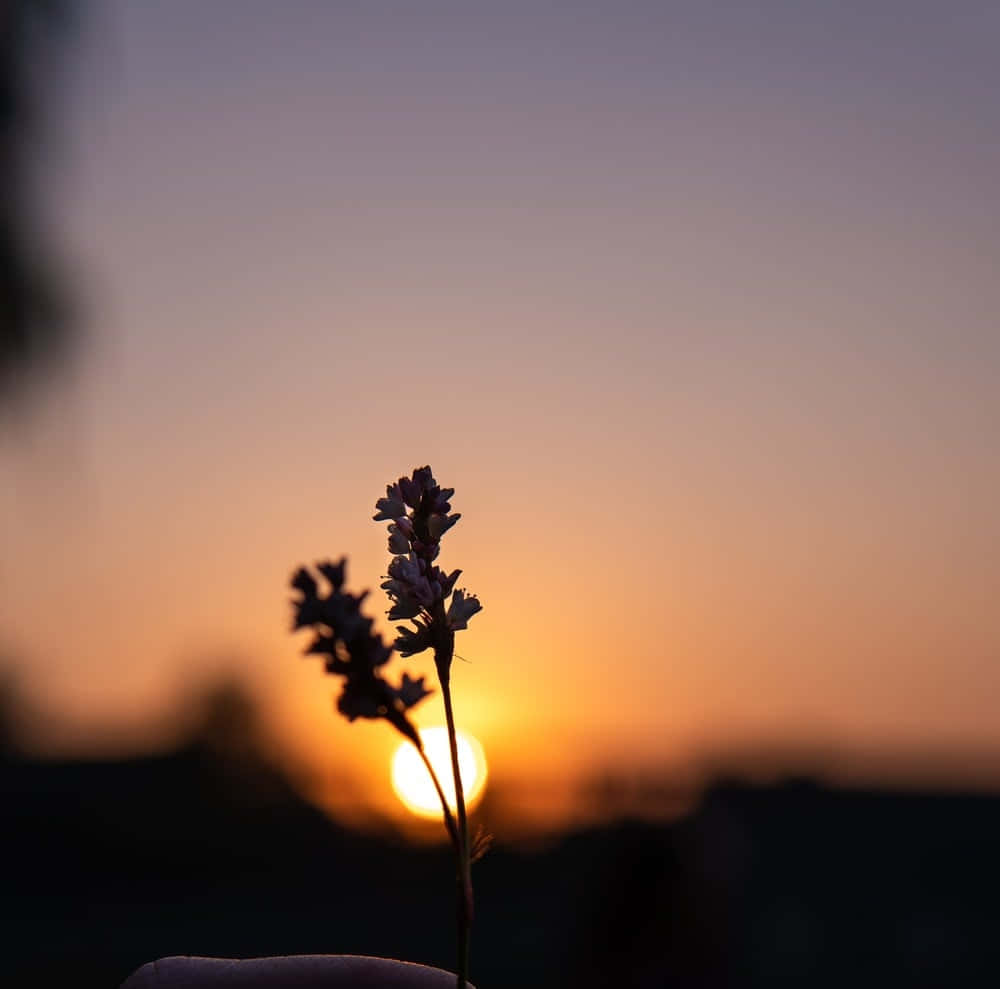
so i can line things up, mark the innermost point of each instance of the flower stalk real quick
(464, 894)
(418, 511)
(449, 818)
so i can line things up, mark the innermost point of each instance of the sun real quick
(412, 782)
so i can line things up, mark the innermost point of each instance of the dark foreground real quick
(109, 865)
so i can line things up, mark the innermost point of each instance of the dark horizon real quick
(202, 851)
(225, 722)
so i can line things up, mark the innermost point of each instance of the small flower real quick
(302, 581)
(405, 607)
(410, 641)
(359, 700)
(447, 583)
(391, 506)
(406, 569)
(344, 636)
(427, 519)
(410, 490)
(411, 692)
(462, 608)
(438, 525)
(334, 572)
(409, 588)
(399, 542)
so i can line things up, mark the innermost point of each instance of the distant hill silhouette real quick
(209, 850)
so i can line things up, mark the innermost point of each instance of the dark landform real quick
(208, 850)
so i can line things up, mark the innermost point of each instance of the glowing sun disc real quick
(413, 784)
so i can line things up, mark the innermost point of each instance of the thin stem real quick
(463, 824)
(464, 878)
(449, 819)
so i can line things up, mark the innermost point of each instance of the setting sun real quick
(412, 782)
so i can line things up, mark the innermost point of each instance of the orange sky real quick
(697, 316)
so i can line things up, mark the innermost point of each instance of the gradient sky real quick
(694, 303)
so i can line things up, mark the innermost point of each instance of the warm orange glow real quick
(413, 784)
(701, 523)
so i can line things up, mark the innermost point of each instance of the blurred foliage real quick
(35, 318)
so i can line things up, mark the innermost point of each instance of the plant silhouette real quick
(418, 511)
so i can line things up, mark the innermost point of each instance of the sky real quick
(695, 305)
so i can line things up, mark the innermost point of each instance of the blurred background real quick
(695, 305)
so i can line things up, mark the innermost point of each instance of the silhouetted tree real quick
(35, 321)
